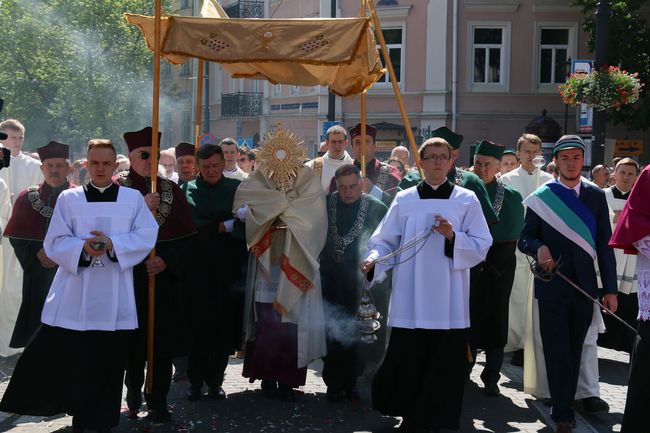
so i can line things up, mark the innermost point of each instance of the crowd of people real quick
(260, 253)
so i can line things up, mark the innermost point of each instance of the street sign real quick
(585, 114)
(582, 66)
(245, 142)
(327, 125)
(628, 148)
(208, 138)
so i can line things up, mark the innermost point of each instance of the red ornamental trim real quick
(296, 278)
(264, 244)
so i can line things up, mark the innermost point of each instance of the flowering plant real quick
(602, 89)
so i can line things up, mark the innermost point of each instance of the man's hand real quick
(102, 237)
(545, 259)
(155, 265)
(152, 200)
(367, 265)
(617, 214)
(222, 227)
(90, 251)
(444, 227)
(611, 301)
(45, 261)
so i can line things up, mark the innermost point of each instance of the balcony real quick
(241, 104)
(245, 9)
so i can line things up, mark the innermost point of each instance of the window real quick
(185, 4)
(295, 90)
(394, 44)
(555, 45)
(185, 69)
(165, 68)
(489, 56)
(277, 89)
(186, 126)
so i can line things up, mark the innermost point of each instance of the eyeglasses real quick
(144, 155)
(441, 158)
(243, 160)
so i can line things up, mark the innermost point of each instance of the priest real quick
(352, 217)
(284, 207)
(26, 230)
(336, 156)
(23, 172)
(490, 290)
(422, 376)
(525, 179)
(74, 364)
(171, 267)
(219, 258)
(617, 337)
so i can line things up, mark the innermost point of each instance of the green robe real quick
(469, 181)
(341, 284)
(219, 259)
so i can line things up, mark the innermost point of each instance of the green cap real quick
(510, 152)
(487, 148)
(448, 135)
(568, 142)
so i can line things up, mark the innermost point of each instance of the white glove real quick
(240, 213)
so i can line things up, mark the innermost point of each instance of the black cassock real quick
(26, 230)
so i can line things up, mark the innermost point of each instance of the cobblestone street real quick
(246, 410)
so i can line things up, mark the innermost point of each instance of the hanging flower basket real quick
(604, 89)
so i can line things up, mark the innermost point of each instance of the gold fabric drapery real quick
(340, 53)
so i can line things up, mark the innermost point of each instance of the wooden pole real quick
(199, 104)
(363, 114)
(363, 134)
(154, 177)
(393, 80)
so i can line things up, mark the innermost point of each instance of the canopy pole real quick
(154, 181)
(363, 134)
(393, 80)
(199, 104)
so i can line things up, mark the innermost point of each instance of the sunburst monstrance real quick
(281, 156)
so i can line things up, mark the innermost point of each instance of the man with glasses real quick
(171, 267)
(490, 291)
(246, 160)
(422, 376)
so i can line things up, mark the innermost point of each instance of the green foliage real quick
(74, 69)
(629, 48)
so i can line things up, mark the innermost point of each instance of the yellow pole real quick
(363, 134)
(154, 178)
(393, 79)
(199, 104)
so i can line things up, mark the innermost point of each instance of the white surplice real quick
(96, 298)
(522, 288)
(330, 165)
(431, 290)
(23, 172)
(625, 263)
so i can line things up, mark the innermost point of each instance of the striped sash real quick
(563, 211)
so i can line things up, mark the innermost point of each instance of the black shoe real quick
(193, 393)
(216, 394)
(517, 358)
(335, 394)
(159, 416)
(595, 404)
(76, 426)
(491, 389)
(286, 393)
(269, 388)
(352, 395)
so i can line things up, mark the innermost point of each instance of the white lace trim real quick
(643, 272)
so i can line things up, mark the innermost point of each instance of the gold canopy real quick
(340, 53)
